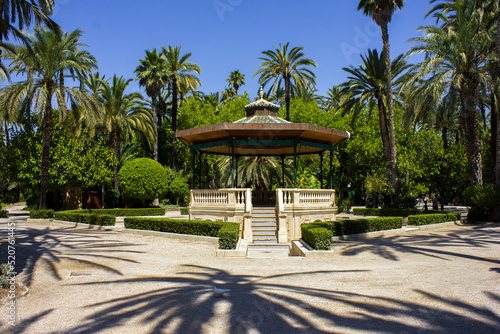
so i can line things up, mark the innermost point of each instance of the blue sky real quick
(227, 35)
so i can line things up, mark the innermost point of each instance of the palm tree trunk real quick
(154, 103)
(444, 137)
(473, 142)
(497, 104)
(390, 111)
(287, 98)
(382, 118)
(115, 142)
(174, 119)
(46, 129)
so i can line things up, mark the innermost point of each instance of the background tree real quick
(381, 12)
(152, 74)
(122, 114)
(291, 67)
(180, 71)
(47, 57)
(236, 79)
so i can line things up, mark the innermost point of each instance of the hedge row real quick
(83, 216)
(42, 214)
(4, 214)
(130, 212)
(319, 235)
(226, 232)
(391, 212)
(434, 218)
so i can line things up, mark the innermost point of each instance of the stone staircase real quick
(265, 235)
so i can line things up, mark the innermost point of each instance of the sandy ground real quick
(444, 280)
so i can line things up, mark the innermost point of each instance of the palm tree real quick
(280, 65)
(455, 57)
(122, 114)
(227, 94)
(236, 79)
(180, 71)
(47, 56)
(381, 12)
(367, 85)
(333, 99)
(152, 74)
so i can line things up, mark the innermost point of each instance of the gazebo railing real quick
(216, 197)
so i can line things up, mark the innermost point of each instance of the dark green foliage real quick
(320, 238)
(391, 212)
(228, 235)
(130, 212)
(143, 179)
(85, 217)
(314, 233)
(4, 214)
(434, 218)
(112, 198)
(184, 211)
(41, 214)
(482, 200)
(5, 275)
(226, 232)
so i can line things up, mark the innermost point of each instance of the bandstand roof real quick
(262, 133)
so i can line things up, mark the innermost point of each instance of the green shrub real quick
(5, 275)
(314, 233)
(391, 212)
(482, 200)
(4, 214)
(130, 212)
(226, 232)
(228, 235)
(42, 214)
(143, 179)
(85, 217)
(319, 237)
(434, 218)
(184, 211)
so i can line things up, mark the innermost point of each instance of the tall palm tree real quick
(47, 56)
(152, 74)
(455, 57)
(122, 114)
(291, 67)
(236, 79)
(367, 85)
(333, 99)
(381, 12)
(180, 71)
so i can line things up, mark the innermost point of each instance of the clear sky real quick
(227, 35)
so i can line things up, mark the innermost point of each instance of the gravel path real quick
(444, 280)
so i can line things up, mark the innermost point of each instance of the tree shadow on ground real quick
(186, 303)
(438, 245)
(64, 247)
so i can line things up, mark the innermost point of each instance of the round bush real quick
(142, 179)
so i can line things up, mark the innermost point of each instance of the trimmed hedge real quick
(226, 232)
(184, 211)
(315, 233)
(434, 218)
(83, 216)
(130, 212)
(4, 214)
(392, 212)
(42, 214)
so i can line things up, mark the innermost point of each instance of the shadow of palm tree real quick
(186, 304)
(431, 244)
(59, 248)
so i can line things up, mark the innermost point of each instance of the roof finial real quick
(261, 92)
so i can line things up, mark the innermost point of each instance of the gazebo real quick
(263, 133)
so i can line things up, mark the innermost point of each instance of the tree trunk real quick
(46, 129)
(496, 85)
(287, 98)
(444, 137)
(155, 117)
(473, 142)
(174, 119)
(390, 111)
(382, 118)
(115, 142)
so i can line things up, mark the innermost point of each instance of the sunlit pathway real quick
(82, 281)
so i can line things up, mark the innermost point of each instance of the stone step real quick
(264, 228)
(264, 240)
(269, 250)
(264, 232)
